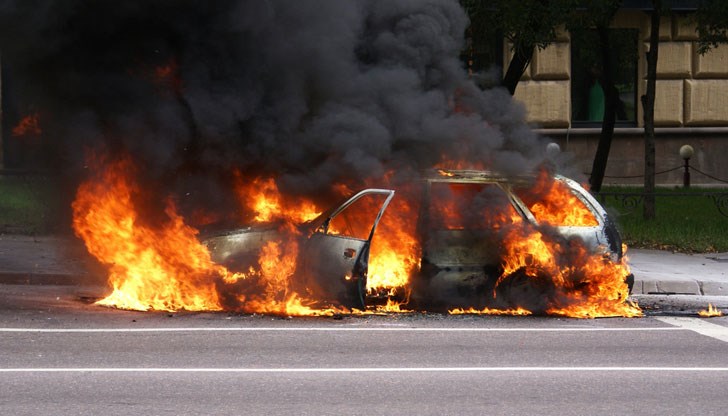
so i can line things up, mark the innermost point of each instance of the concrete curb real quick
(47, 260)
(666, 273)
(679, 287)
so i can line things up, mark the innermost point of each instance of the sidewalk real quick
(663, 272)
(64, 261)
(47, 260)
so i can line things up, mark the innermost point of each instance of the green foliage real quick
(690, 224)
(531, 24)
(523, 23)
(534, 22)
(623, 44)
(591, 13)
(26, 205)
(712, 24)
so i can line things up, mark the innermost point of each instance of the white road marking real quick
(701, 326)
(360, 369)
(329, 329)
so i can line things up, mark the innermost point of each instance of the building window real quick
(587, 92)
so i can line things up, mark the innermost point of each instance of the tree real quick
(648, 105)
(711, 20)
(531, 24)
(526, 24)
(597, 15)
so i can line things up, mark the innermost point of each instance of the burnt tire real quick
(534, 293)
(356, 294)
(630, 283)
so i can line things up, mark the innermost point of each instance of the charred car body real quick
(463, 215)
(333, 249)
(463, 219)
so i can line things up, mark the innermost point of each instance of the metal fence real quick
(630, 201)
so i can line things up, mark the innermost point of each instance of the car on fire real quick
(462, 216)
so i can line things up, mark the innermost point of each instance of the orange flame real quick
(395, 252)
(262, 197)
(453, 208)
(277, 263)
(28, 125)
(555, 204)
(162, 269)
(710, 312)
(166, 268)
(585, 285)
(167, 77)
(490, 311)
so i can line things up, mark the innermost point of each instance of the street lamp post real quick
(686, 152)
(553, 150)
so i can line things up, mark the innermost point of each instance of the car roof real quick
(477, 176)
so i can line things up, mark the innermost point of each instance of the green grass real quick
(690, 224)
(28, 205)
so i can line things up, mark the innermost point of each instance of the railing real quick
(630, 201)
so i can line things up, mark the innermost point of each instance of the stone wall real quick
(691, 105)
(545, 87)
(626, 157)
(692, 89)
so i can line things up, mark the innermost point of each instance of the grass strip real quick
(687, 220)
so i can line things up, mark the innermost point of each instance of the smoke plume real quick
(315, 92)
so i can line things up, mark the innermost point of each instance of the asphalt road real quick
(62, 355)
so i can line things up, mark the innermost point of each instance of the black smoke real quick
(315, 92)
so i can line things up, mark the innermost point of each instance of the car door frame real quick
(335, 265)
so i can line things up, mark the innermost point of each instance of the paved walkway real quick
(664, 272)
(64, 260)
(47, 260)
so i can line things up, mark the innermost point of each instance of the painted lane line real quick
(701, 326)
(361, 370)
(333, 329)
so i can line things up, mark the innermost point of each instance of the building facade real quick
(562, 99)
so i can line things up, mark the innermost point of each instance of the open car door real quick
(336, 255)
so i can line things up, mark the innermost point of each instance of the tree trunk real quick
(523, 50)
(521, 58)
(610, 111)
(648, 104)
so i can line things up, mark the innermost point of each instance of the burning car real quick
(476, 228)
(457, 238)
(465, 219)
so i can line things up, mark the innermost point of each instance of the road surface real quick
(60, 355)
